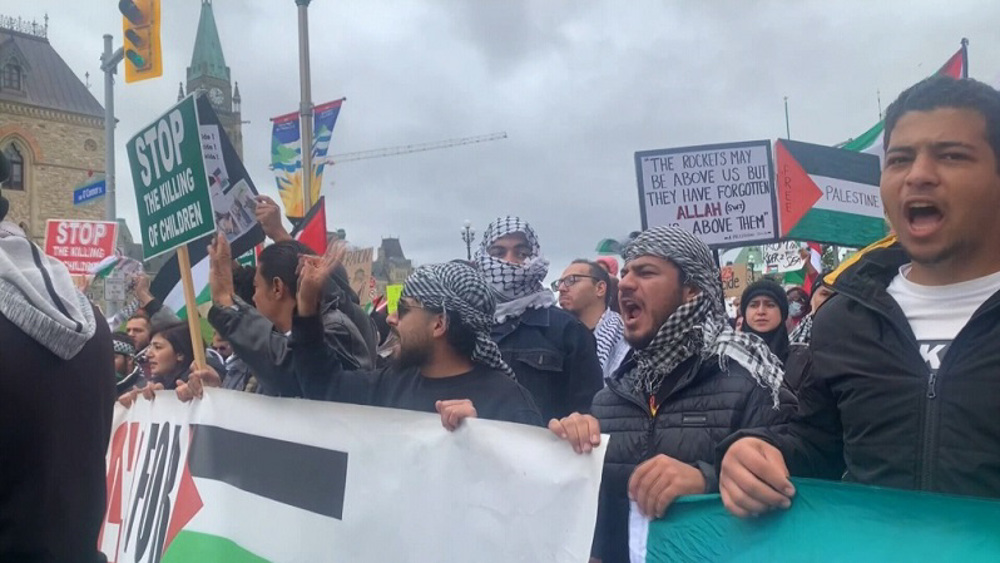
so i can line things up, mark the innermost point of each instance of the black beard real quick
(410, 357)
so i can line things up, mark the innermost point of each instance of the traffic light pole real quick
(109, 64)
(306, 107)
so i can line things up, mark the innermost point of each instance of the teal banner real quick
(827, 522)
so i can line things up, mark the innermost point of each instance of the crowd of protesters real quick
(882, 372)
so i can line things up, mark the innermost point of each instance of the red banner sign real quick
(80, 245)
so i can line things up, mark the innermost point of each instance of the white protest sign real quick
(241, 477)
(723, 194)
(783, 257)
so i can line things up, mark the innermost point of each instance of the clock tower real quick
(208, 72)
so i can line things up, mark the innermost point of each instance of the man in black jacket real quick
(904, 383)
(689, 382)
(553, 354)
(445, 361)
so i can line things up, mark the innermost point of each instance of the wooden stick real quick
(194, 326)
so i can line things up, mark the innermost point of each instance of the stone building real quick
(51, 129)
(208, 73)
(391, 266)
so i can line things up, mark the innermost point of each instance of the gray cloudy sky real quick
(578, 86)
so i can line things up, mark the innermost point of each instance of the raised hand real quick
(314, 272)
(269, 216)
(220, 277)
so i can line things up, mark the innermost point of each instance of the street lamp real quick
(468, 235)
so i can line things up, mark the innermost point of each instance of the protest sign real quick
(80, 245)
(828, 521)
(171, 188)
(783, 257)
(358, 264)
(392, 295)
(829, 195)
(735, 278)
(237, 477)
(723, 194)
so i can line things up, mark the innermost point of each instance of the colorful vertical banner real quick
(324, 120)
(286, 161)
(286, 154)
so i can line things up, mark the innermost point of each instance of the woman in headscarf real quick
(764, 307)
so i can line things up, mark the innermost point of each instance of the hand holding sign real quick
(269, 216)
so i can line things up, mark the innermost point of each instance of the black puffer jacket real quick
(870, 409)
(700, 406)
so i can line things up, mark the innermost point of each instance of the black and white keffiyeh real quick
(457, 287)
(518, 287)
(698, 326)
(802, 333)
(608, 333)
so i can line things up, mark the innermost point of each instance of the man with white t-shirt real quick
(904, 385)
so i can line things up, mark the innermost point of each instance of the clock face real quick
(216, 97)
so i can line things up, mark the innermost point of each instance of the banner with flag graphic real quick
(871, 140)
(286, 154)
(243, 478)
(828, 521)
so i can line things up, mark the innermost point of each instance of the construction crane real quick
(407, 149)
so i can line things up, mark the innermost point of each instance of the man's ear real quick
(690, 292)
(279, 290)
(602, 289)
(440, 325)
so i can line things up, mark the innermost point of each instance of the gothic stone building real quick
(51, 129)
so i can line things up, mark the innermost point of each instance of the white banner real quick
(237, 477)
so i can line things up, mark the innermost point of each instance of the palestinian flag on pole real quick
(311, 230)
(871, 140)
(828, 521)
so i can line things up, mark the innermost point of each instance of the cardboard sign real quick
(735, 279)
(783, 257)
(80, 244)
(723, 194)
(358, 264)
(171, 187)
(829, 195)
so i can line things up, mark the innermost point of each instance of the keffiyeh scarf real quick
(608, 332)
(456, 287)
(518, 287)
(699, 326)
(802, 333)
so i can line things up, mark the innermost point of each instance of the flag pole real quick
(305, 107)
(788, 131)
(191, 304)
(965, 58)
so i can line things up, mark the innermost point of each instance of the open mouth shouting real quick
(923, 217)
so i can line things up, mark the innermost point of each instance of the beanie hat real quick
(767, 288)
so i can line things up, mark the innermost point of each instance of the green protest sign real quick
(171, 188)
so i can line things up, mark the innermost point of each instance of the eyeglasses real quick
(569, 281)
(403, 308)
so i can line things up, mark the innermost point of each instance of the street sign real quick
(723, 194)
(171, 187)
(80, 245)
(89, 192)
(829, 195)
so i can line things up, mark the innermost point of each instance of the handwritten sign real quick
(723, 194)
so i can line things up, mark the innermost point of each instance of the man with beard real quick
(689, 382)
(445, 360)
(552, 353)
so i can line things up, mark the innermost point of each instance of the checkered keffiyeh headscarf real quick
(459, 288)
(512, 281)
(698, 326)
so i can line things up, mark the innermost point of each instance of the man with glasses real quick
(553, 354)
(584, 291)
(445, 360)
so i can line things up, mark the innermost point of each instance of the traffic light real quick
(141, 28)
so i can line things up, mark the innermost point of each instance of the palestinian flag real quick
(311, 229)
(225, 473)
(828, 521)
(871, 140)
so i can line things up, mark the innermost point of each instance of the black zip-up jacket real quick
(870, 410)
(554, 357)
(699, 405)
